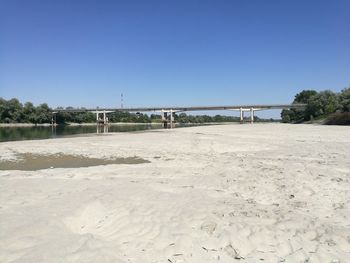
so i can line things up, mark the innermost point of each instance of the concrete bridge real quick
(167, 112)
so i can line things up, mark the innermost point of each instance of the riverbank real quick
(266, 192)
(24, 125)
(119, 124)
(94, 124)
(70, 124)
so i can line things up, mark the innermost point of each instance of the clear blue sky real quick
(86, 53)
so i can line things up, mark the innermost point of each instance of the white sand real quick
(247, 193)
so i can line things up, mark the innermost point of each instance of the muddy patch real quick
(33, 162)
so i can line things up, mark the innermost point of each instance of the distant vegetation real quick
(326, 106)
(12, 111)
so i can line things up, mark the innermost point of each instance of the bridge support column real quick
(251, 115)
(164, 116)
(104, 117)
(241, 115)
(168, 119)
(53, 119)
(171, 119)
(97, 117)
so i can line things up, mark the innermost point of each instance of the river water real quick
(46, 132)
(40, 132)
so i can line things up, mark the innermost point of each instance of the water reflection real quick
(102, 129)
(39, 132)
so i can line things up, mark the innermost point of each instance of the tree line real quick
(332, 107)
(13, 111)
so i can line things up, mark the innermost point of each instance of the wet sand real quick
(245, 193)
(33, 162)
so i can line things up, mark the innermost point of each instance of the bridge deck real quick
(192, 108)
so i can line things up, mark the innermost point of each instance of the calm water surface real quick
(32, 133)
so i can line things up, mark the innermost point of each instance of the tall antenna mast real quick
(121, 101)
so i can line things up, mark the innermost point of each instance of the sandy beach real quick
(227, 193)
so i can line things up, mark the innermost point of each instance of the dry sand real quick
(245, 193)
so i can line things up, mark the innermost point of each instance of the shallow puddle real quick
(33, 162)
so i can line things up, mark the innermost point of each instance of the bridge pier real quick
(167, 118)
(251, 115)
(241, 115)
(171, 119)
(164, 116)
(104, 120)
(53, 119)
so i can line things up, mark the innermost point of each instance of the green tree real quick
(43, 114)
(2, 109)
(304, 96)
(11, 111)
(29, 112)
(322, 104)
(287, 115)
(344, 100)
(299, 115)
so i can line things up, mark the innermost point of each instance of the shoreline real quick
(3, 125)
(69, 124)
(15, 125)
